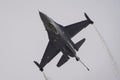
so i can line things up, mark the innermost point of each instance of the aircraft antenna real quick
(109, 53)
(84, 65)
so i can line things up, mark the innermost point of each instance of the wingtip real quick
(41, 69)
(38, 65)
(91, 22)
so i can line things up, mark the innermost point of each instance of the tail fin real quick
(38, 65)
(79, 44)
(88, 18)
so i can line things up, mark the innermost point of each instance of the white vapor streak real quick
(45, 76)
(116, 70)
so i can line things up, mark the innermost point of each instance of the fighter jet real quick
(60, 40)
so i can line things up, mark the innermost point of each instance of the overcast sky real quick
(23, 39)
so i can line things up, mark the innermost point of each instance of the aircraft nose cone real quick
(43, 17)
(41, 14)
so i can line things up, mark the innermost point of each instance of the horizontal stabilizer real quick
(79, 44)
(63, 59)
(88, 18)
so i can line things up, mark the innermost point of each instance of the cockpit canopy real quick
(52, 28)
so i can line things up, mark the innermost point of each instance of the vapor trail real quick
(116, 70)
(45, 76)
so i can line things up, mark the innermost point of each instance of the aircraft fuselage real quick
(62, 41)
(58, 36)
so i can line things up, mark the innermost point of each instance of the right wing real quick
(50, 52)
(73, 29)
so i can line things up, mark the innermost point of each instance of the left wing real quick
(50, 52)
(73, 29)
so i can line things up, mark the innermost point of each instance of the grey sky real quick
(24, 39)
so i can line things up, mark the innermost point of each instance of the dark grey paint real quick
(60, 40)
